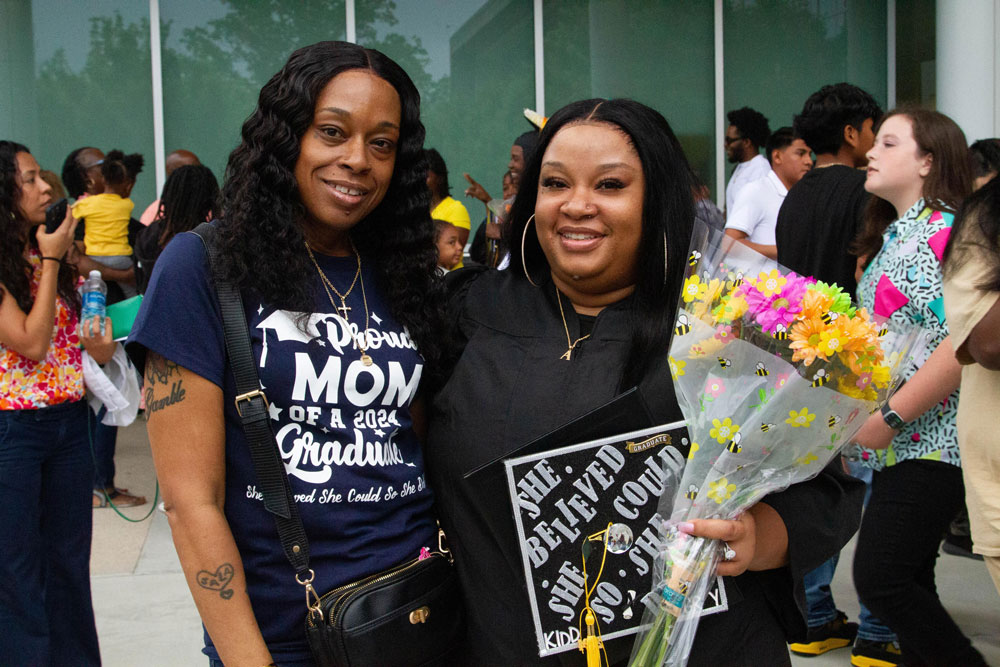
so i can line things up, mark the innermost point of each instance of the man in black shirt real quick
(817, 223)
(822, 213)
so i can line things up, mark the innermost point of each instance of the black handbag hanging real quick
(407, 616)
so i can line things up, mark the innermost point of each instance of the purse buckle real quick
(444, 551)
(420, 615)
(249, 396)
(313, 604)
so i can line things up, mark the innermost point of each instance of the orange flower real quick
(805, 337)
(814, 304)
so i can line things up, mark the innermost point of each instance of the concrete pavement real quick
(145, 616)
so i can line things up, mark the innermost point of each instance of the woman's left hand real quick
(97, 340)
(875, 433)
(757, 539)
(740, 534)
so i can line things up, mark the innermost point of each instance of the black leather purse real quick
(410, 615)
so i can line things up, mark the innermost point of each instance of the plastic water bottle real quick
(94, 297)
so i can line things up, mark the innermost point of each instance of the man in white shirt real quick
(755, 212)
(747, 132)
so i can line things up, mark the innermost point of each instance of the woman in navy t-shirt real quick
(327, 234)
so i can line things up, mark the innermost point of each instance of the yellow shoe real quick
(875, 654)
(838, 633)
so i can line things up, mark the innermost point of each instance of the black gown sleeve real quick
(820, 515)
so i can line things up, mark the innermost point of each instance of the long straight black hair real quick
(667, 219)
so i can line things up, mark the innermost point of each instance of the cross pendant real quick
(343, 309)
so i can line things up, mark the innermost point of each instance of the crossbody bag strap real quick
(252, 406)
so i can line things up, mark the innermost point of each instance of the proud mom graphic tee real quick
(343, 428)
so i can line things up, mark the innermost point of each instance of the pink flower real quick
(781, 378)
(780, 308)
(864, 380)
(724, 333)
(714, 387)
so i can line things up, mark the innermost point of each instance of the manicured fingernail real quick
(685, 527)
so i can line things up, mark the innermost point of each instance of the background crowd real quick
(333, 190)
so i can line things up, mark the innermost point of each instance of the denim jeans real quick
(46, 475)
(819, 597)
(103, 439)
(911, 505)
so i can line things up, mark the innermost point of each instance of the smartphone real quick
(54, 215)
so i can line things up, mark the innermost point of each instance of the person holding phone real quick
(46, 468)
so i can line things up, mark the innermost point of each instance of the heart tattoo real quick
(218, 580)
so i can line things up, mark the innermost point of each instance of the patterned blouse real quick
(903, 283)
(26, 384)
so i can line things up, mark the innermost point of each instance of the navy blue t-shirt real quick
(343, 429)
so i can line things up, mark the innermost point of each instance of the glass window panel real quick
(660, 54)
(916, 58)
(216, 56)
(78, 74)
(473, 62)
(778, 52)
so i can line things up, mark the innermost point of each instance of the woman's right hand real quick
(58, 242)
(476, 190)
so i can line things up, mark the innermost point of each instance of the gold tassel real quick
(592, 645)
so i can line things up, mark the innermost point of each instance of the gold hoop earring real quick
(524, 264)
(665, 265)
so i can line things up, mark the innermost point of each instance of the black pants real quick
(911, 506)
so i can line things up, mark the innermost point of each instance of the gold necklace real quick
(343, 297)
(327, 286)
(570, 342)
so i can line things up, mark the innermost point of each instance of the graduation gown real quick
(510, 386)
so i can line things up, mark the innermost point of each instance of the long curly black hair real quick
(190, 196)
(260, 233)
(16, 233)
(667, 220)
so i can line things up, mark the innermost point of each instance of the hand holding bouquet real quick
(774, 373)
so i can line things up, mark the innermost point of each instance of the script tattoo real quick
(162, 372)
(218, 580)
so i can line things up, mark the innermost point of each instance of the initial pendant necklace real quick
(343, 309)
(570, 343)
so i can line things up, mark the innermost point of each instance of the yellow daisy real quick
(802, 418)
(725, 430)
(694, 447)
(771, 283)
(676, 367)
(693, 289)
(831, 341)
(720, 490)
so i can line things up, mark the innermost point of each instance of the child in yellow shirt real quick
(106, 215)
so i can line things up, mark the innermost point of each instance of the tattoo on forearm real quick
(218, 580)
(160, 371)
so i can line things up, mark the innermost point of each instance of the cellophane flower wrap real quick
(774, 372)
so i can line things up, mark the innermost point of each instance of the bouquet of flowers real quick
(774, 373)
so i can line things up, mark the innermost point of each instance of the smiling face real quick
(516, 164)
(896, 165)
(35, 194)
(588, 212)
(346, 156)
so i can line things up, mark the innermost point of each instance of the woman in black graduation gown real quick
(599, 234)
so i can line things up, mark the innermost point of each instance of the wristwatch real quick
(892, 417)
